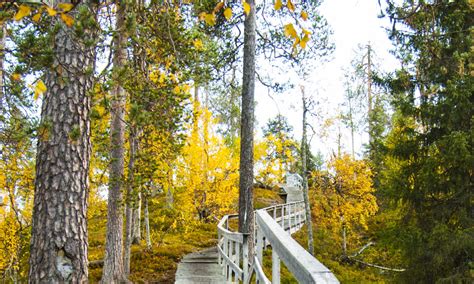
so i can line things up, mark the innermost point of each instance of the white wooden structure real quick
(293, 188)
(274, 226)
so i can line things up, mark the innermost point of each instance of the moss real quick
(157, 265)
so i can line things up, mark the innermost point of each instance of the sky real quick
(353, 22)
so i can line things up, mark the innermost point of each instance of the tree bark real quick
(3, 32)
(58, 251)
(304, 151)
(147, 224)
(136, 223)
(130, 202)
(246, 219)
(113, 270)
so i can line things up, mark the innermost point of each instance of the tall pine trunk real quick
(113, 270)
(304, 152)
(147, 224)
(246, 224)
(3, 36)
(58, 251)
(130, 201)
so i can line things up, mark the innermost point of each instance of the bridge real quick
(229, 262)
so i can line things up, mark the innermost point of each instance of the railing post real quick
(245, 258)
(283, 216)
(226, 252)
(231, 257)
(218, 244)
(275, 268)
(289, 217)
(260, 245)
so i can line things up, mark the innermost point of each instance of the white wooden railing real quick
(274, 226)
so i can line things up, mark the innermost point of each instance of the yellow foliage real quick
(274, 158)
(23, 11)
(290, 31)
(36, 17)
(228, 13)
(344, 195)
(198, 44)
(304, 15)
(207, 173)
(290, 6)
(40, 88)
(246, 8)
(16, 195)
(68, 20)
(51, 11)
(278, 5)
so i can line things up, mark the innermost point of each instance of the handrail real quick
(304, 267)
(274, 225)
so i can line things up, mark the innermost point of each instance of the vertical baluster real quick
(274, 212)
(237, 259)
(290, 217)
(259, 246)
(283, 216)
(224, 268)
(245, 259)
(275, 267)
(231, 257)
(219, 257)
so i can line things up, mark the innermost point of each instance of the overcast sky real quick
(354, 22)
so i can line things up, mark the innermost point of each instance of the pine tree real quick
(59, 231)
(431, 143)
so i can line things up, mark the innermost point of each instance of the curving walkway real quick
(200, 267)
(229, 262)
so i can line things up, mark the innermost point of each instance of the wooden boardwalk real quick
(200, 267)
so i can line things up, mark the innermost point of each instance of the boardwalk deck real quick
(200, 268)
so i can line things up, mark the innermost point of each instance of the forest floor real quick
(159, 264)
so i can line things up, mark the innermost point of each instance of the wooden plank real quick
(200, 267)
(303, 265)
(275, 267)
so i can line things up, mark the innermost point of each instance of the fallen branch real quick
(378, 266)
(362, 249)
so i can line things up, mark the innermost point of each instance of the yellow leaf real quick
(68, 20)
(51, 11)
(40, 88)
(66, 7)
(290, 31)
(304, 15)
(36, 17)
(210, 19)
(290, 6)
(246, 8)
(202, 16)
(16, 77)
(278, 5)
(306, 32)
(176, 90)
(228, 13)
(218, 7)
(23, 11)
(197, 44)
(304, 41)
